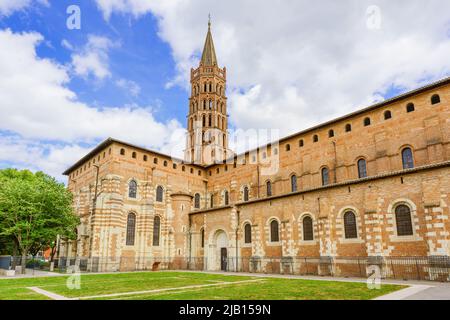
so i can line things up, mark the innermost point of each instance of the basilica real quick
(366, 188)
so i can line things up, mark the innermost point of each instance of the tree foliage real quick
(34, 209)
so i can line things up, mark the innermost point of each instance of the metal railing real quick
(433, 268)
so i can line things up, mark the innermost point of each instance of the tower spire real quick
(209, 53)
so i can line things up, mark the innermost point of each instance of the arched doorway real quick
(219, 251)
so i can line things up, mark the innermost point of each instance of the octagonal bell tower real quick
(207, 121)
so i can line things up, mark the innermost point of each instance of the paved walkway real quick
(30, 273)
(49, 294)
(434, 293)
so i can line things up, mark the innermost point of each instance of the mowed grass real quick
(267, 288)
(100, 284)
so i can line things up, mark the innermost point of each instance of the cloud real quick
(37, 156)
(291, 64)
(135, 7)
(129, 86)
(66, 44)
(7, 7)
(93, 59)
(41, 118)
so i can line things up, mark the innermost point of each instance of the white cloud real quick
(135, 7)
(292, 64)
(34, 155)
(93, 59)
(7, 7)
(129, 86)
(66, 44)
(37, 106)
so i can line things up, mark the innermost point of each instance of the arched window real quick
(245, 193)
(348, 127)
(133, 155)
(362, 169)
(293, 183)
(435, 99)
(308, 233)
(366, 122)
(226, 197)
(331, 133)
(325, 177)
(269, 188)
(202, 237)
(132, 189)
(159, 194)
(248, 233)
(403, 220)
(131, 227)
(301, 143)
(274, 232)
(410, 107)
(145, 157)
(197, 201)
(210, 87)
(407, 158)
(211, 201)
(387, 115)
(350, 225)
(122, 152)
(156, 230)
(315, 138)
(209, 121)
(288, 147)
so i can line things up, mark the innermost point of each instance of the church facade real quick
(371, 185)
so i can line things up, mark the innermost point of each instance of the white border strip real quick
(48, 294)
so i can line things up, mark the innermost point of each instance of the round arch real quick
(218, 250)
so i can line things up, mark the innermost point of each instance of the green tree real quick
(34, 209)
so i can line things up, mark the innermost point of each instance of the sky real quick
(123, 72)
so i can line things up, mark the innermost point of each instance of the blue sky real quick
(142, 57)
(125, 73)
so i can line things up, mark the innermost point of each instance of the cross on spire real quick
(209, 53)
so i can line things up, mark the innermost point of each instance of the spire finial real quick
(209, 54)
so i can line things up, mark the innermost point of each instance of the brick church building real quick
(371, 186)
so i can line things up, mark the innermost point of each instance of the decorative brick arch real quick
(340, 230)
(127, 189)
(300, 226)
(413, 211)
(241, 192)
(268, 229)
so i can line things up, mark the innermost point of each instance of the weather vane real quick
(209, 19)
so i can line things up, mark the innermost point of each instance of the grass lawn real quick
(264, 288)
